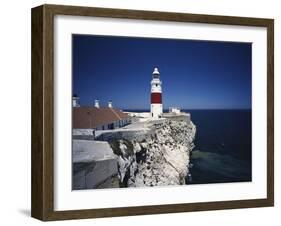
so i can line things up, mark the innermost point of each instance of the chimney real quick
(97, 103)
(75, 101)
(110, 104)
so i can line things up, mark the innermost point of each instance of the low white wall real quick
(139, 114)
(93, 163)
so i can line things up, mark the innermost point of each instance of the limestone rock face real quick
(160, 159)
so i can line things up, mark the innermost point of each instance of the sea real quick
(223, 146)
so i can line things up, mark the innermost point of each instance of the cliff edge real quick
(159, 158)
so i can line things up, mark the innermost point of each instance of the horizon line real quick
(167, 109)
(191, 109)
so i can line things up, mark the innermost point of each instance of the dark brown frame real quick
(42, 203)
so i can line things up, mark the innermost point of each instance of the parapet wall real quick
(178, 117)
(139, 114)
(94, 163)
(137, 135)
(83, 134)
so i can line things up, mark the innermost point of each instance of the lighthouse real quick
(156, 107)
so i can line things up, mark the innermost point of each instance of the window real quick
(110, 126)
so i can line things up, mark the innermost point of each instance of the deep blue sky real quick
(195, 74)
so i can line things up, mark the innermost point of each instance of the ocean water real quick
(223, 148)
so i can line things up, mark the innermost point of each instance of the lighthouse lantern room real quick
(156, 107)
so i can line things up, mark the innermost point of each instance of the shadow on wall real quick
(25, 212)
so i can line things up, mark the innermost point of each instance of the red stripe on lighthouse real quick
(156, 98)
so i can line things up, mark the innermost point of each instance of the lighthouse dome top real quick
(156, 72)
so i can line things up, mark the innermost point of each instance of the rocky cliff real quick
(160, 158)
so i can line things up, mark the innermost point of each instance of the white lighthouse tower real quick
(156, 107)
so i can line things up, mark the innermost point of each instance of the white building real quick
(75, 101)
(175, 110)
(97, 117)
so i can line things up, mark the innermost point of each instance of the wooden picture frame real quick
(43, 112)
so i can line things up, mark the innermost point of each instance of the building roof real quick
(92, 117)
